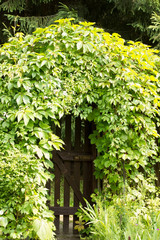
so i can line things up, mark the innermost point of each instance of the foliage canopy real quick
(129, 18)
(80, 69)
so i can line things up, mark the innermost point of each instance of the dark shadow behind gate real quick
(73, 169)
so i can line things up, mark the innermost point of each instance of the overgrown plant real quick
(135, 215)
(80, 69)
(23, 210)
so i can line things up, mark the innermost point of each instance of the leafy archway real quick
(81, 69)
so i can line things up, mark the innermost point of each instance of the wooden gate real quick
(73, 169)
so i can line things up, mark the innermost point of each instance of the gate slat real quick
(87, 178)
(88, 131)
(68, 133)
(77, 134)
(77, 165)
(76, 200)
(66, 199)
(57, 195)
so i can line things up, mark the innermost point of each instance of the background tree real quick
(27, 15)
(128, 18)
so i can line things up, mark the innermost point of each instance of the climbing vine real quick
(77, 68)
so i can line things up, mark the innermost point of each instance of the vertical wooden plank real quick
(76, 201)
(88, 130)
(87, 166)
(77, 134)
(67, 165)
(87, 180)
(68, 133)
(57, 195)
(77, 165)
(58, 131)
(66, 199)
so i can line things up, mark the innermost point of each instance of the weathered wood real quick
(88, 130)
(75, 156)
(68, 133)
(75, 165)
(87, 178)
(84, 158)
(64, 210)
(70, 179)
(76, 200)
(77, 134)
(57, 194)
(66, 199)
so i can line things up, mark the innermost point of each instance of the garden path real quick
(67, 237)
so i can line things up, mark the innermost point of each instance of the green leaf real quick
(3, 221)
(13, 235)
(26, 99)
(26, 119)
(39, 152)
(43, 229)
(11, 217)
(38, 115)
(79, 45)
(19, 100)
(30, 115)
(1, 212)
(44, 125)
(43, 63)
(49, 163)
(56, 145)
(10, 86)
(46, 154)
(20, 116)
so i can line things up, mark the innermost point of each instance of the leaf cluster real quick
(23, 211)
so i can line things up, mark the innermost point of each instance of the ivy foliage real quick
(80, 69)
(23, 211)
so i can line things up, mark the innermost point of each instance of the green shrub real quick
(23, 211)
(135, 215)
